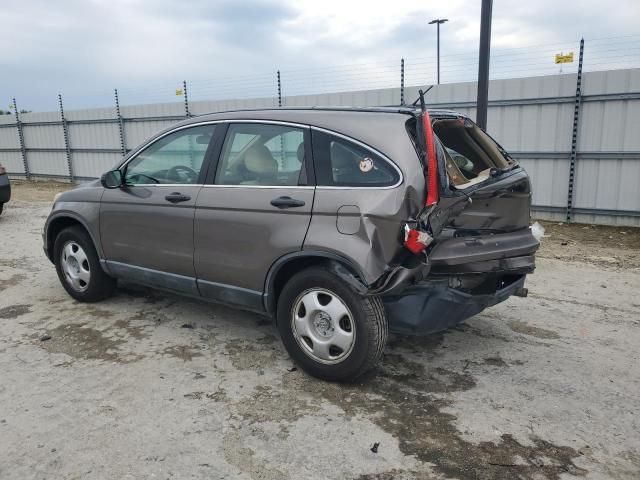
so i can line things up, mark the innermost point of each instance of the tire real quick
(1, 208)
(333, 341)
(83, 278)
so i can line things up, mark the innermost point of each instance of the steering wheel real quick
(174, 173)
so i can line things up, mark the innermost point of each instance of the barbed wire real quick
(601, 53)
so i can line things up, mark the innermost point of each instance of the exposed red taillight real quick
(415, 240)
(432, 161)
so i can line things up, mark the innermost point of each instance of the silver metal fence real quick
(576, 134)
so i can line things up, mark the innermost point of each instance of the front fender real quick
(65, 214)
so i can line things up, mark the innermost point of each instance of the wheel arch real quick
(289, 264)
(58, 223)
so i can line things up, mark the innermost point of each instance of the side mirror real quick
(112, 179)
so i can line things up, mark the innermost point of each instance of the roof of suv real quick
(383, 128)
(318, 111)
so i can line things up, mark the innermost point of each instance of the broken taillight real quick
(418, 239)
(432, 161)
(415, 240)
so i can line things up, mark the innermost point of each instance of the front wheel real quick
(78, 266)
(332, 332)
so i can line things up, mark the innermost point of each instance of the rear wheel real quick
(78, 266)
(332, 332)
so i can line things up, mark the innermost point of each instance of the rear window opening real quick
(470, 154)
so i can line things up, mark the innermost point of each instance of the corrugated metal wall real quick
(531, 117)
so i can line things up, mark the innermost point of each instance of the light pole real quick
(483, 63)
(438, 21)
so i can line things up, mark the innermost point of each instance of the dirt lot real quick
(149, 385)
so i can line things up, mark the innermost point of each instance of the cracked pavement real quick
(152, 385)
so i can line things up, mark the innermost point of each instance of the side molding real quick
(153, 278)
(231, 295)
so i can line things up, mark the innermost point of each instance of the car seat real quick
(260, 167)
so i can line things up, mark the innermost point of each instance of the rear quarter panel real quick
(366, 224)
(370, 230)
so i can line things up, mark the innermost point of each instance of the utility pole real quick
(483, 63)
(438, 22)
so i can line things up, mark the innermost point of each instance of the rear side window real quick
(342, 163)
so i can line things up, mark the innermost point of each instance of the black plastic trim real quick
(153, 278)
(231, 295)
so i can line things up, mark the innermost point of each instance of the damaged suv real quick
(342, 224)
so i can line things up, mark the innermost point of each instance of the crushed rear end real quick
(471, 246)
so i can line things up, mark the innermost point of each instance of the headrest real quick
(259, 160)
(300, 152)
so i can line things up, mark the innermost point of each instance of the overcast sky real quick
(85, 48)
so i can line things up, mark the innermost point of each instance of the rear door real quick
(255, 207)
(146, 228)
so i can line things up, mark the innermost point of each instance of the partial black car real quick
(5, 188)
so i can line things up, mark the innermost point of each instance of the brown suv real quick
(342, 224)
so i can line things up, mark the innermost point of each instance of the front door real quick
(146, 227)
(255, 209)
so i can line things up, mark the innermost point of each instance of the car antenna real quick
(421, 97)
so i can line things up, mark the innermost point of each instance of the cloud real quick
(85, 48)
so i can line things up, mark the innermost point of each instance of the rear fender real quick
(341, 266)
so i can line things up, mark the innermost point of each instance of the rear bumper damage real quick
(435, 305)
(462, 277)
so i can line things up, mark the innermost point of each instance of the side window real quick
(339, 162)
(175, 158)
(261, 154)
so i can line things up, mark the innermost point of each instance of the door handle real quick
(286, 202)
(177, 197)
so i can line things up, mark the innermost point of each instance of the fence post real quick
(186, 99)
(279, 90)
(65, 132)
(123, 141)
(402, 81)
(574, 134)
(23, 148)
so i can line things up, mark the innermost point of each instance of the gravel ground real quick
(150, 385)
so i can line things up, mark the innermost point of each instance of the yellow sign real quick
(178, 92)
(561, 58)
